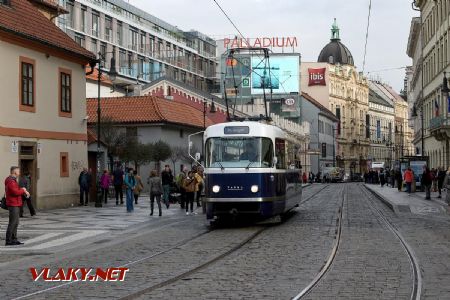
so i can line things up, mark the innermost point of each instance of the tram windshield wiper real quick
(220, 164)
(249, 164)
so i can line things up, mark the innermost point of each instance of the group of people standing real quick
(431, 180)
(188, 184)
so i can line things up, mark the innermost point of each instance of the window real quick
(378, 129)
(280, 152)
(338, 115)
(83, 19)
(239, 152)
(123, 62)
(27, 84)
(95, 21)
(64, 164)
(103, 50)
(324, 150)
(94, 46)
(108, 28)
(65, 93)
(142, 44)
(69, 20)
(133, 39)
(79, 39)
(119, 33)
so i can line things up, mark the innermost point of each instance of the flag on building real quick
(436, 108)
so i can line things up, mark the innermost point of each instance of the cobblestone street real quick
(179, 257)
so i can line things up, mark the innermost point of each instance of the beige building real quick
(335, 82)
(42, 120)
(429, 47)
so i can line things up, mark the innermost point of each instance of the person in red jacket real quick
(14, 201)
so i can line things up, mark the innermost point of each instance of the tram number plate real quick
(236, 130)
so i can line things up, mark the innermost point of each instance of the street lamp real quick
(112, 76)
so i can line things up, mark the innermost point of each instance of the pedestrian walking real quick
(13, 194)
(446, 184)
(434, 187)
(105, 183)
(25, 182)
(189, 185)
(138, 188)
(118, 176)
(440, 180)
(304, 178)
(179, 181)
(167, 180)
(130, 184)
(84, 181)
(156, 190)
(426, 181)
(408, 177)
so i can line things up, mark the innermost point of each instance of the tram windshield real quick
(239, 152)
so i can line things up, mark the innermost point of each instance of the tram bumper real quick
(244, 206)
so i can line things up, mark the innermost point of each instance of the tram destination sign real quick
(236, 130)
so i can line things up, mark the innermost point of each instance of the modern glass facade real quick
(144, 46)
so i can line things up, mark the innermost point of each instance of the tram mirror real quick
(197, 156)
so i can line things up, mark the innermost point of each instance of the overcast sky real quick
(310, 21)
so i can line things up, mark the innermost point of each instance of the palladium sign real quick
(264, 42)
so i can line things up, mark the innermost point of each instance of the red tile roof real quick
(146, 109)
(94, 76)
(25, 20)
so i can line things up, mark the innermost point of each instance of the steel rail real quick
(326, 267)
(414, 261)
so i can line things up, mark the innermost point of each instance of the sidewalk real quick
(401, 202)
(67, 228)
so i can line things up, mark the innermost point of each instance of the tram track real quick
(329, 261)
(414, 263)
(167, 250)
(416, 289)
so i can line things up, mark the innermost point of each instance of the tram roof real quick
(245, 128)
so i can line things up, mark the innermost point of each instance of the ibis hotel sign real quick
(316, 76)
(260, 42)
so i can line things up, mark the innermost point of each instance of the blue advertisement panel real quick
(282, 76)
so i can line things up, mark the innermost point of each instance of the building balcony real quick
(440, 128)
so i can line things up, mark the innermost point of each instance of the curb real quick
(386, 202)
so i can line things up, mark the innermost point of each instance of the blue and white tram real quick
(251, 168)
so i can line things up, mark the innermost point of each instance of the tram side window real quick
(280, 152)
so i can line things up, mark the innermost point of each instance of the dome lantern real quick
(336, 52)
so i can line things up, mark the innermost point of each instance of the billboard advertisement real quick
(282, 76)
(316, 76)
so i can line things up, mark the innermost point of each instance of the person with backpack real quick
(130, 184)
(156, 190)
(179, 181)
(189, 185)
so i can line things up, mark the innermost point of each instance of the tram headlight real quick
(254, 188)
(216, 189)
